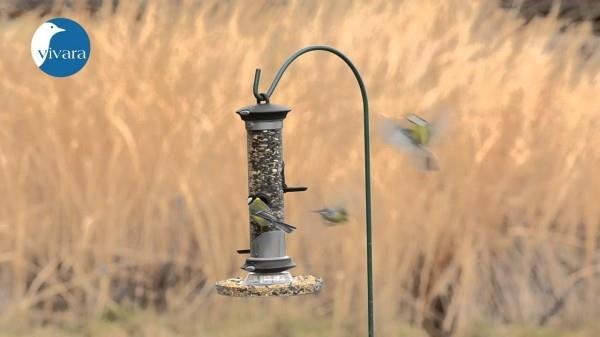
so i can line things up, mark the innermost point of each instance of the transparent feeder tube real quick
(265, 163)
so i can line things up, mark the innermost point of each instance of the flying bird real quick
(41, 41)
(262, 216)
(414, 139)
(334, 216)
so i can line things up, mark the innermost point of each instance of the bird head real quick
(260, 196)
(49, 29)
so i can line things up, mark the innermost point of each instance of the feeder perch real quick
(268, 263)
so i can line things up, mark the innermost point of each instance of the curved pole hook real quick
(262, 97)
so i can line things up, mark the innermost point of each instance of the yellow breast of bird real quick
(421, 134)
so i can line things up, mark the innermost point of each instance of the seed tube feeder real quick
(268, 264)
(264, 123)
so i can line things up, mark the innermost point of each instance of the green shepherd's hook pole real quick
(264, 97)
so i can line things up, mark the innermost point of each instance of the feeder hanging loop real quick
(260, 97)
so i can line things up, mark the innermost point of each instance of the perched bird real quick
(40, 43)
(414, 139)
(261, 215)
(334, 216)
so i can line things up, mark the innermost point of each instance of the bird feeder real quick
(267, 264)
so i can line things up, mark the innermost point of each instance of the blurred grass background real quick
(123, 188)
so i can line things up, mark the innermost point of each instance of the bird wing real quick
(265, 215)
(399, 137)
(324, 211)
(393, 133)
(269, 217)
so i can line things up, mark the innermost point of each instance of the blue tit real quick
(334, 216)
(420, 130)
(262, 216)
(414, 139)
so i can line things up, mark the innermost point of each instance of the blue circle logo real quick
(60, 47)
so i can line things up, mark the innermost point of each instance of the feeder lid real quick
(262, 112)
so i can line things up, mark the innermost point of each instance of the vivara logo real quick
(60, 47)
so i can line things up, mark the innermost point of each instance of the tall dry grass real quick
(127, 181)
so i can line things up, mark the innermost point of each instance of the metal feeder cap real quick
(263, 112)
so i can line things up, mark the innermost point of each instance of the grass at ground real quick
(118, 322)
(589, 330)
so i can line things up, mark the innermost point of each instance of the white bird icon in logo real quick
(41, 41)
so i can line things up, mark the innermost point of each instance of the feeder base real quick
(268, 265)
(265, 279)
(300, 285)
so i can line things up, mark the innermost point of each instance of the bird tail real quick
(283, 226)
(430, 160)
